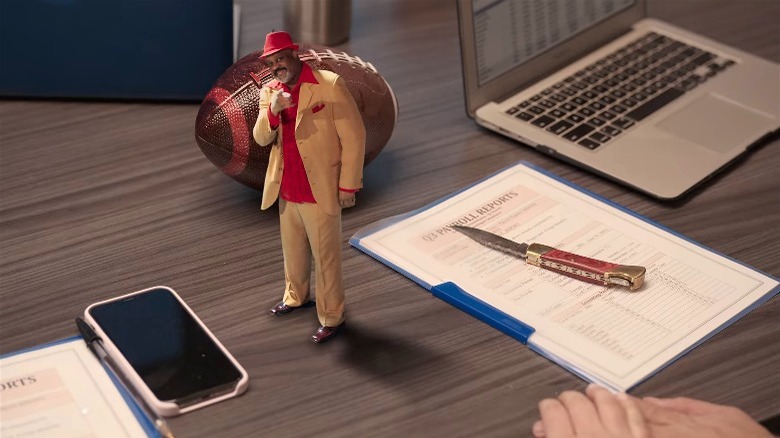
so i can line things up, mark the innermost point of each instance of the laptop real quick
(114, 49)
(594, 83)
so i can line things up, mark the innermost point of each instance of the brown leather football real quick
(223, 128)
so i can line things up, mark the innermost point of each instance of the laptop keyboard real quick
(615, 93)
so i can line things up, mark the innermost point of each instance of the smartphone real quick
(165, 351)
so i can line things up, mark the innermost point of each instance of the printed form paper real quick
(609, 335)
(62, 391)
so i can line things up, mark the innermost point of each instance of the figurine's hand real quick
(346, 199)
(279, 101)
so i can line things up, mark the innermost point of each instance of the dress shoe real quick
(324, 333)
(281, 308)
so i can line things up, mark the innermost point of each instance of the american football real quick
(223, 128)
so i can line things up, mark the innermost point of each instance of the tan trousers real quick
(307, 231)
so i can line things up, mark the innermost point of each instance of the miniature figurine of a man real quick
(317, 140)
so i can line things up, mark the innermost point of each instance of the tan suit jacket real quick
(331, 139)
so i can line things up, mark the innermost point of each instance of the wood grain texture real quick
(99, 199)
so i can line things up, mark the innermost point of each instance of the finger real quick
(555, 419)
(538, 430)
(611, 411)
(636, 421)
(684, 404)
(656, 413)
(584, 417)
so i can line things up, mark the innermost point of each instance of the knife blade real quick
(562, 262)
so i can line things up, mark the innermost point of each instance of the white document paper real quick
(608, 335)
(62, 391)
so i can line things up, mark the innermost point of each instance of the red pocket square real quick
(317, 108)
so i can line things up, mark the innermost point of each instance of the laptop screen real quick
(509, 44)
(508, 33)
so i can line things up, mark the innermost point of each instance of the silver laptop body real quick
(595, 83)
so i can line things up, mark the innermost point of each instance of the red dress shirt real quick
(295, 185)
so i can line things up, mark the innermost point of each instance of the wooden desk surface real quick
(101, 199)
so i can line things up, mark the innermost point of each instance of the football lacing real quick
(329, 54)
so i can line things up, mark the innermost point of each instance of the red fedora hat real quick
(277, 41)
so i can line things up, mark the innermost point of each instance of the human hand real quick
(596, 414)
(603, 414)
(280, 101)
(346, 199)
(686, 417)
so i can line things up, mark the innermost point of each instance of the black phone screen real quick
(168, 349)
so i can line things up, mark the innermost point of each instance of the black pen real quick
(95, 345)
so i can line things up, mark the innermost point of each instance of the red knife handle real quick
(585, 268)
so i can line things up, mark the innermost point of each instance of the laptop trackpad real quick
(716, 123)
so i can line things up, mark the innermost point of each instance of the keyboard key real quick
(611, 131)
(702, 59)
(629, 102)
(606, 100)
(568, 106)
(546, 103)
(578, 133)
(576, 118)
(687, 53)
(655, 104)
(524, 116)
(579, 100)
(598, 106)
(689, 84)
(542, 121)
(600, 137)
(606, 115)
(560, 127)
(524, 104)
(579, 85)
(535, 109)
(585, 111)
(623, 123)
(557, 97)
(512, 110)
(536, 98)
(588, 143)
(557, 113)
(596, 121)
(618, 93)
(619, 109)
